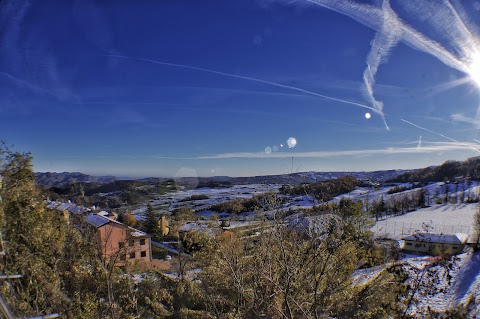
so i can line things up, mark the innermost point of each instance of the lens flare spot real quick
(368, 115)
(275, 148)
(291, 142)
(268, 150)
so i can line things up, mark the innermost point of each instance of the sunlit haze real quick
(475, 68)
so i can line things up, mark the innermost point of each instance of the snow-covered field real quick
(170, 201)
(445, 219)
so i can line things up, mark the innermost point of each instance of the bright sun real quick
(475, 68)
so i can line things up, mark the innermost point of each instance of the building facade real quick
(119, 243)
(435, 244)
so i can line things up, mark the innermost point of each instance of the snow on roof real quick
(97, 220)
(103, 213)
(198, 227)
(75, 209)
(64, 206)
(137, 233)
(54, 204)
(458, 238)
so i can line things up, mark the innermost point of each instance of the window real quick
(409, 244)
(142, 242)
(121, 245)
(132, 255)
(123, 257)
(143, 254)
(131, 243)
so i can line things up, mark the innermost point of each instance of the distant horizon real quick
(214, 176)
(284, 170)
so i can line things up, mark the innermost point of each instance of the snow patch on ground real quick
(441, 219)
(455, 285)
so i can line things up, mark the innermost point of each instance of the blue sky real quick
(204, 88)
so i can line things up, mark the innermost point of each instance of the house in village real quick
(67, 209)
(62, 207)
(120, 243)
(435, 244)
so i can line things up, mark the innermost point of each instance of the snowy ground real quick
(170, 201)
(459, 285)
(444, 287)
(445, 219)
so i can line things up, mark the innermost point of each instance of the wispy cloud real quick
(426, 147)
(462, 118)
(461, 42)
(431, 148)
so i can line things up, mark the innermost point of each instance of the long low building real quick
(435, 244)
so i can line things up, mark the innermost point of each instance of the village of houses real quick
(443, 228)
(438, 229)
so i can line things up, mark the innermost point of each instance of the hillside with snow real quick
(456, 285)
(441, 219)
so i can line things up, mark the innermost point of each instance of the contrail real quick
(441, 135)
(382, 45)
(242, 77)
(391, 29)
(374, 18)
(419, 142)
(27, 84)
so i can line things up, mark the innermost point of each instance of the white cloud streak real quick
(242, 77)
(459, 117)
(469, 145)
(448, 24)
(432, 147)
(374, 18)
(382, 45)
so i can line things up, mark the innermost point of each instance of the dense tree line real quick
(324, 190)
(447, 171)
(264, 201)
(399, 189)
(399, 204)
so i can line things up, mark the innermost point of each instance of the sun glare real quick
(475, 68)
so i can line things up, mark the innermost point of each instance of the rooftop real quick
(98, 221)
(458, 238)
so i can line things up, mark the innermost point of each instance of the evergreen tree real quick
(152, 226)
(36, 236)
